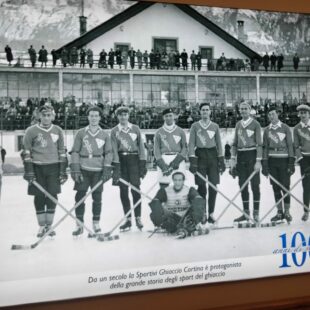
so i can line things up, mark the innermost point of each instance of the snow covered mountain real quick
(53, 23)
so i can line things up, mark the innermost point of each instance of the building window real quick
(206, 52)
(122, 46)
(165, 44)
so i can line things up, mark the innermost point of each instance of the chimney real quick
(83, 25)
(83, 20)
(241, 35)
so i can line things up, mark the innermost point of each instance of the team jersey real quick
(277, 141)
(207, 137)
(44, 146)
(247, 137)
(170, 141)
(128, 140)
(302, 139)
(92, 151)
(177, 201)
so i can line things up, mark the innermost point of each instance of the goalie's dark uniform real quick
(91, 158)
(279, 161)
(45, 159)
(173, 210)
(206, 156)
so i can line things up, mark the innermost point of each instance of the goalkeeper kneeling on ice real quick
(177, 208)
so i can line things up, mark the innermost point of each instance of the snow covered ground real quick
(66, 256)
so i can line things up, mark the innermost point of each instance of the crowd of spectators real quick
(154, 59)
(18, 115)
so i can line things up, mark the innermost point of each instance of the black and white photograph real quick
(148, 145)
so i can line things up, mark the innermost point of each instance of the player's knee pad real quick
(97, 197)
(157, 214)
(171, 222)
(245, 194)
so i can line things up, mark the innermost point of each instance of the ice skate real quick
(256, 216)
(139, 223)
(305, 216)
(96, 229)
(126, 226)
(41, 232)
(287, 216)
(78, 231)
(211, 219)
(52, 233)
(242, 218)
(278, 217)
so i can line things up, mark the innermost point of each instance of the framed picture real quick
(180, 157)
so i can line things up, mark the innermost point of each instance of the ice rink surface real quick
(65, 255)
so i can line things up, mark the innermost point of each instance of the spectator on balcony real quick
(280, 62)
(43, 56)
(74, 56)
(266, 61)
(164, 61)
(132, 55)
(125, 58)
(223, 62)
(193, 60)
(139, 59)
(152, 59)
(118, 55)
(273, 61)
(198, 60)
(111, 58)
(9, 54)
(64, 57)
(82, 57)
(145, 59)
(171, 58)
(184, 57)
(177, 60)
(90, 58)
(102, 63)
(54, 57)
(157, 59)
(296, 62)
(33, 56)
(10, 117)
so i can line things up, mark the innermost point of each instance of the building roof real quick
(141, 6)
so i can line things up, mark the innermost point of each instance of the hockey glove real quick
(291, 166)
(76, 173)
(221, 164)
(265, 170)
(171, 222)
(63, 177)
(175, 164)
(164, 167)
(142, 168)
(233, 171)
(107, 173)
(29, 175)
(307, 172)
(193, 164)
(116, 173)
(157, 212)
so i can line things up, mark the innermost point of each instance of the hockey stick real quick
(237, 194)
(280, 200)
(125, 216)
(34, 245)
(289, 191)
(221, 193)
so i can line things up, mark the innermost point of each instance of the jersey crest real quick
(54, 137)
(249, 132)
(211, 133)
(133, 136)
(281, 136)
(176, 138)
(100, 143)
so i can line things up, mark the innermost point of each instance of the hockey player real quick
(247, 147)
(45, 161)
(91, 158)
(302, 152)
(170, 148)
(278, 161)
(129, 160)
(206, 155)
(177, 208)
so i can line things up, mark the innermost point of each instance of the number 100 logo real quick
(297, 242)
